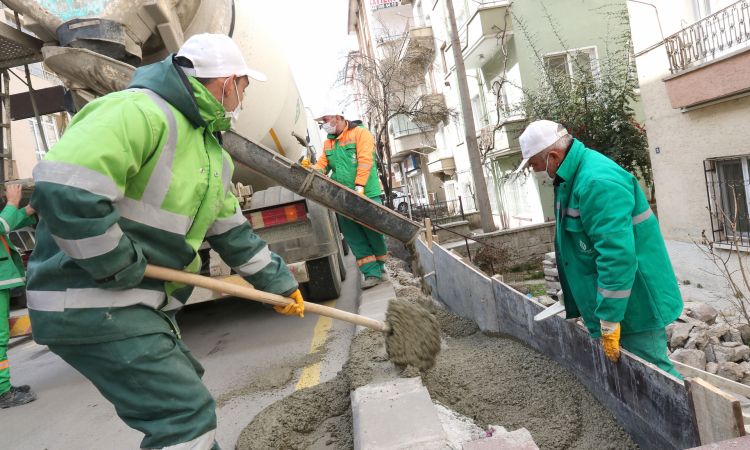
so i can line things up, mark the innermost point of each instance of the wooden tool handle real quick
(165, 274)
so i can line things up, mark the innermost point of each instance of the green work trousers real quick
(651, 346)
(155, 385)
(367, 245)
(4, 337)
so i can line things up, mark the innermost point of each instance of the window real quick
(727, 181)
(50, 134)
(573, 63)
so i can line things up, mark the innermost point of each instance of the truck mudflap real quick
(315, 186)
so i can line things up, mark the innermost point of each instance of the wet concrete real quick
(414, 338)
(492, 380)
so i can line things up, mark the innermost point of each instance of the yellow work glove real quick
(305, 163)
(293, 309)
(611, 340)
(360, 190)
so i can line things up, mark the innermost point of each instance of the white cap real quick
(329, 108)
(216, 56)
(538, 136)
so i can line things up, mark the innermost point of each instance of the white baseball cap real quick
(329, 108)
(216, 56)
(536, 137)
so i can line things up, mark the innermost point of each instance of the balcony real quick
(710, 59)
(479, 37)
(444, 164)
(408, 138)
(419, 50)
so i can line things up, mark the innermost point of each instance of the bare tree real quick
(390, 86)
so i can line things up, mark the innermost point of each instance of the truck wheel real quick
(342, 266)
(325, 281)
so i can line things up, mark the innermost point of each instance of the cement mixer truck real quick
(94, 46)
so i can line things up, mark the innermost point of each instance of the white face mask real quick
(329, 127)
(232, 115)
(543, 176)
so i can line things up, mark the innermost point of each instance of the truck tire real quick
(342, 266)
(325, 279)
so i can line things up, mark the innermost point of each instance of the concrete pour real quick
(492, 380)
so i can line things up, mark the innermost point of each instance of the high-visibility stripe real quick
(572, 212)
(365, 166)
(6, 226)
(154, 216)
(12, 281)
(221, 226)
(226, 174)
(58, 301)
(203, 442)
(614, 294)
(92, 246)
(4, 364)
(161, 177)
(257, 263)
(78, 177)
(381, 257)
(642, 217)
(365, 260)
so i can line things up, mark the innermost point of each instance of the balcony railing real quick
(709, 38)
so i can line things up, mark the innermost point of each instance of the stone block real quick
(735, 335)
(680, 334)
(395, 414)
(744, 330)
(718, 330)
(551, 272)
(732, 371)
(693, 358)
(710, 353)
(550, 257)
(698, 339)
(712, 367)
(553, 285)
(702, 311)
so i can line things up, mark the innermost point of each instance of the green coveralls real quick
(11, 276)
(349, 157)
(139, 176)
(611, 256)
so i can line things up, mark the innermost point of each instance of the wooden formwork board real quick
(718, 415)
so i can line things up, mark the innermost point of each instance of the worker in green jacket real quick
(613, 264)
(140, 177)
(12, 217)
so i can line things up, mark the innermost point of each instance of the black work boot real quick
(22, 388)
(16, 397)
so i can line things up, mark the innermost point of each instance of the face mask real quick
(329, 127)
(232, 115)
(543, 176)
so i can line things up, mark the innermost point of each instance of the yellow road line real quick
(311, 374)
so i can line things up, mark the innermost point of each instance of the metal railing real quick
(442, 212)
(728, 207)
(709, 38)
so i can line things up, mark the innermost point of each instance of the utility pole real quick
(483, 197)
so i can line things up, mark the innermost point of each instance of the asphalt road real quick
(237, 341)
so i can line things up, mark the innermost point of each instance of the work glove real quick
(293, 309)
(611, 340)
(360, 190)
(305, 163)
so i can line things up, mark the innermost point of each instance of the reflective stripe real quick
(4, 364)
(226, 174)
(571, 212)
(172, 304)
(221, 226)
(12, 281)
(365, 260)
(78, 177)
(382, 257)
(614, 294)
(642, 217)
(557, 206)
(59, 301)
(256, 263)
(203, 442)
(92, 246)
(158, 184)
(364, 166)
(154, 216)
(5, 224)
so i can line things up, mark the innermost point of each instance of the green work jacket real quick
(11, 264)
(139, 176)
(611, 256)
(350, 159)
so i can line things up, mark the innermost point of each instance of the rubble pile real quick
(702, 339)
(551, 279)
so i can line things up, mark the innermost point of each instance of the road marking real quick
(311, 374)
